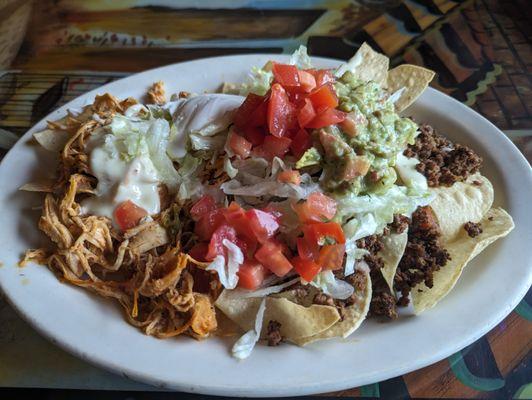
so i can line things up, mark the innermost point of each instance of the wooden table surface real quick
(481, 51)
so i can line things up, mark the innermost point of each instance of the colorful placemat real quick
(481, 51)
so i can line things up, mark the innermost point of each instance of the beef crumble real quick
(423, 255)
(441, 161)
(473, 229)
(273, 333)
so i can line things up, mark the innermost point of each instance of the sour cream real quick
(206, 114)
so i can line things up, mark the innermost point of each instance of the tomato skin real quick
(251, 274)
(270, 254)
(216, 247)
(199, 251)
(324, 97)
(254, 135)
(307, 269)
(276, 146)
(258, 117)
(128, 215)
(237, 218)
(327, 117)
(204, 205)
(322, 76)
(316, 208)
(301, 142)
(247, 110)
(207, 224)
(314, 233)
(307, 80)
(306, 113)
(279, 111)
(286, 75)
(331, 256)
(240, 146)
(263, 224)
(307, 250)
(289, 176)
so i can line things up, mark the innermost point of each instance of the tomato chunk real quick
(207, 224)
(128, 215)
(301, 142)
(199, 251)
(331, 256)
(289, 176)
(286, 75)
(307, 250)
(255, 135)
(306, 113)
(322, 76)
(324, 97)
(318, 232)
(240, 146)
(279, 111)
(329, 116)
(202, 207)
(247, 109)
(216, 247)
(270, 254)
(316, 208)
(276, 146)
(263, 224)
(307, 269)
(307, 80)
(251, 274)
(237, 218)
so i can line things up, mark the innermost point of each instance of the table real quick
(480, 49)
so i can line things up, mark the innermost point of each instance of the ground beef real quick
(473, 229)
(400, 223)
(441, 161)
(423, 254)
(372, 243)
(273, 333)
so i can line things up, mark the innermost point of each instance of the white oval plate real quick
(94, 329)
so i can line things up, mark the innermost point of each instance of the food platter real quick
(94, 329)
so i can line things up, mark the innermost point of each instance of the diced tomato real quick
(307, 250)
(324, 97)
(240, 146)
(322, 76)
(331, 256)
(307, 269)
(280, 111)
(286, 75)
(202, 207)
(306, 113)
(315, 233)
(237, 218)
(270, 254)
(289, 176)
(207, 224)
(258, 117)
(276, 146)
(307, 80)
(216, 247)
(263, 224)
(316, 208)
(329, 116)
(127, 215)
(255, 135)
(301, 142)
(352, 123)
(353, 167)
(199, 251)
(247, 109)
(247, 245)
(251, 274)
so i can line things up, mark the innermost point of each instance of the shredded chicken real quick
(156, 94)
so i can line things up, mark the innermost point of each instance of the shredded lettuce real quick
(300, 58)
(229, 169)
(411, 177)
(270, 289)
(336, 288)
(244, 346)
(227, 272)
(257, 82)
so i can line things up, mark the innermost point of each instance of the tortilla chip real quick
(296, 321)
(413, 79)
(496, 223)
(391, 254)
(461, 203)
(367, 65)
(43, 186)
(352, 316)
(52, 140)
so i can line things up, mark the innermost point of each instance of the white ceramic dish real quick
(94, 329)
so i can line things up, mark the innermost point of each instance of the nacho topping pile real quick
(287, 208)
